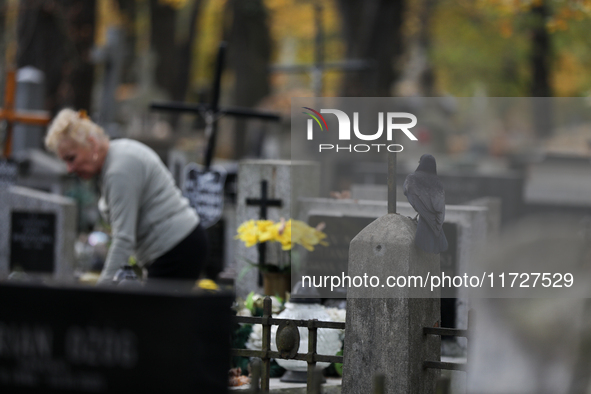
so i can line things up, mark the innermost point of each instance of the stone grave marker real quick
(460, 188)
(286, 181)
(30, 95)
(559, 184)
(466, 225)
(110, 340)
(177, 160)
(8, 173)
(37, 232)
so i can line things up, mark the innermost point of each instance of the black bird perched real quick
(425, 193)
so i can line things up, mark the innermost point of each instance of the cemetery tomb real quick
(112, 340)
(37, 232)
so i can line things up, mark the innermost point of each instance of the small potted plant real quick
(285, 234)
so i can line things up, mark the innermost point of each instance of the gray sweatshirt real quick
(146, 211)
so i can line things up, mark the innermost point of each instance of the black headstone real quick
(93, 340)
(334, 259)
(32, 241)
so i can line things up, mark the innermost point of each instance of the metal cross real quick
(392, 181)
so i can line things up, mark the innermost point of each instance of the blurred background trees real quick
(492, 48)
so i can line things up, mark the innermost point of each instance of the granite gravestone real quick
(30, 95)
(8, 173)
(98, 340)
(37, 232)
(559, 184)
(385, 334)
(287, 181)
(461, 187)
(467, 225)
(177, 161)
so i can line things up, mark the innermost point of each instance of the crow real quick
(425, 193)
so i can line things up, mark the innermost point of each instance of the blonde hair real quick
(73, 125)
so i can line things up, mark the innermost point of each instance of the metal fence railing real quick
(288, 342)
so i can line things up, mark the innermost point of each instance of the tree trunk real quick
(540, 60)
(372, 31)
(162, 23)
(184, 55)
(249, 53)
(56, 37)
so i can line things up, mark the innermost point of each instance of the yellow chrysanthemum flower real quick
(287, 233)
(247, 233)
(267, 231)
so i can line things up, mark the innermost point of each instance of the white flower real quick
(255, 340)
(275, 305)
(337, 314)
(244, 312)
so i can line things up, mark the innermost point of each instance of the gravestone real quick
(286, 181)
(30, 95)
(560, 184)
(385, 333)
(467, 224)
(460, 187)
(89, 340)
(37, 232)
(8, 173)
(177, 160)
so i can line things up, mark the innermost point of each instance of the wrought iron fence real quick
(452, 332)
(288, 342)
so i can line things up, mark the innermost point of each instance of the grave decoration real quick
(277, 275)
(205, 191)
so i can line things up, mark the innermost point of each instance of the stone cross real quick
(263, 203)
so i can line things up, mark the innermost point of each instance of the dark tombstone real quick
(333, 259)
(205, 191)
(8, 173)
(449, 264)
(509, 187)
(32, 241)
(98, 340)
(215, 261)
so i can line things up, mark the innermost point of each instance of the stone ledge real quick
(332, 386)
